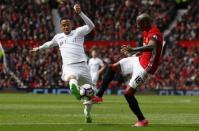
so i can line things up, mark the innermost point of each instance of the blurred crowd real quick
(187, 27)
(110, 16)
(115, 21)
(36, 70)
(32, 19)
(179, 68)
(27, 19)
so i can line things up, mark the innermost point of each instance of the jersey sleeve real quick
(83, 30)
(54, 40)
(49, 44)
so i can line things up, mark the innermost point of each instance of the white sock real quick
(73, 81)
(87, 110)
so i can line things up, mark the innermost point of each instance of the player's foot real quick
(96, 99)
(142, 123)
(75, 91)
(88, 119)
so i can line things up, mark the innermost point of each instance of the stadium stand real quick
(110, 16)
(26, 19)
(179, 68)
(187, 27)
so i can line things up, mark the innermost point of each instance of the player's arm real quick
(84, 30)
(46, 45)
(102, 68)
(149, 47)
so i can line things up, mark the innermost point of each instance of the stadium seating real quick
(26, 19)
(179, 68)
(110, 16)
(187, 27)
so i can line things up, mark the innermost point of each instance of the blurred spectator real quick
(36, 70)
(114, 20)
(187, 27)
(25, 19)
(179, 68)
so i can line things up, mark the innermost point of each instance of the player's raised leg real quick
(108, 77)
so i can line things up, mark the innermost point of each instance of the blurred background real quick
(26, 24)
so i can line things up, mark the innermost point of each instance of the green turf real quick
(28, 112)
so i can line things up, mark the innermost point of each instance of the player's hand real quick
(35, 49)
(77, 8)
(126, 50)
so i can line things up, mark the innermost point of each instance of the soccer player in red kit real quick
(140, 66)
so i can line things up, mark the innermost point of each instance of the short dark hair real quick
(145, 17)
(64, 18)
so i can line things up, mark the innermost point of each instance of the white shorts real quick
(94, 77)
(80, 70)
(131, 65)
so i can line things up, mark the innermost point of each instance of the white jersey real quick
(94, 64)
(71, 45)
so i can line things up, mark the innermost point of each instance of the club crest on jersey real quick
(155, 37)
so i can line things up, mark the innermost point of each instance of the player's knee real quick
(72, 77)
(129, 91)
(115, 67)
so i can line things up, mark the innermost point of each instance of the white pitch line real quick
(106, 102)
(11, 124)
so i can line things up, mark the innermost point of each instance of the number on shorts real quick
(139, 80)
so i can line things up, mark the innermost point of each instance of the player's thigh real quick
(68, 71)
(139, 75)
(126, 65)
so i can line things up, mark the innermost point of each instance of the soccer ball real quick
(86, 91)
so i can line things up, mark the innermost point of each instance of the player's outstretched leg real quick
(133, 104)
(74, 88)
(108, 77)
(87, 111)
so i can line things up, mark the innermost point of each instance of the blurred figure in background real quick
(96, 66)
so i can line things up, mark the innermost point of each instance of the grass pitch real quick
(28, 112)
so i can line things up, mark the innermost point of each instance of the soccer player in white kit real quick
(96, 66)
(75, 70)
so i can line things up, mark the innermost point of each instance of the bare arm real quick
(101, 70)
(102, 67)
(150, 47)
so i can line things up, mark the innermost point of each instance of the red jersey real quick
(150, 60)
